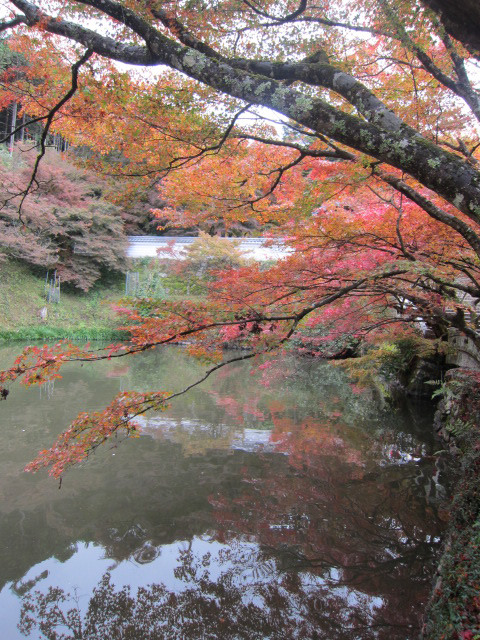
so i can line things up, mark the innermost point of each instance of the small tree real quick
(209, 254)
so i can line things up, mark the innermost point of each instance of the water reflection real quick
(298, 509)
(246, 598)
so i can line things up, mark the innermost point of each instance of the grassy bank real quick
(25, 315)
(47, 334)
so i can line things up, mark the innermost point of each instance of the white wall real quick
(151, 247)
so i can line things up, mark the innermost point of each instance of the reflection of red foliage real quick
(253, 411)
(118, 372)
(310, 441)
(322, 507)
(236, 409)
(231, 406)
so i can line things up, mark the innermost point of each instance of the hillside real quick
(84, 316)
(65, 222)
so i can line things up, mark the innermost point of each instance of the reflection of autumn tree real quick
(337, 543)
(335, 515)
(328, 526)
(282, 606)
(194, 437)
(317, 390)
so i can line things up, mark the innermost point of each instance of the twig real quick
(75, 69)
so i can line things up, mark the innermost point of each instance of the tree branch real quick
(461, 89)
(12, 23)
(433, 211)
(401, 147)
(49, 119)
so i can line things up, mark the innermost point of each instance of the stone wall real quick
(453, 612)
(464, 353)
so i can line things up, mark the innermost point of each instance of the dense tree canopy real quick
(69, 226)
(366, 161)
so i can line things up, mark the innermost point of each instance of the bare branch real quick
(22, 126)
(305, 151)
(279, 20)
(435, 212)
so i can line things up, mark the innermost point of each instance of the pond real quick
(283, 504)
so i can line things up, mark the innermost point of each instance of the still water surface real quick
(283, 505)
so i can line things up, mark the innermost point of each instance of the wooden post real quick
(13, 122)
(22, 130)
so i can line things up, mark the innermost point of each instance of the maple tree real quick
(69, 225)
(366, 163)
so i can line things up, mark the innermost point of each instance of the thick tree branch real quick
(182, 33)
(12, 23)
(461, 20)
(103, 45)
(441, 171)
(313, 70)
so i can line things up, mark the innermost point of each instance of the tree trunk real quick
(461, 20)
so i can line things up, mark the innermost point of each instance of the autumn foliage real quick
(365, 165)
(67, 225)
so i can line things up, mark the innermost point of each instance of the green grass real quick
(78, 316)
(47, 333)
